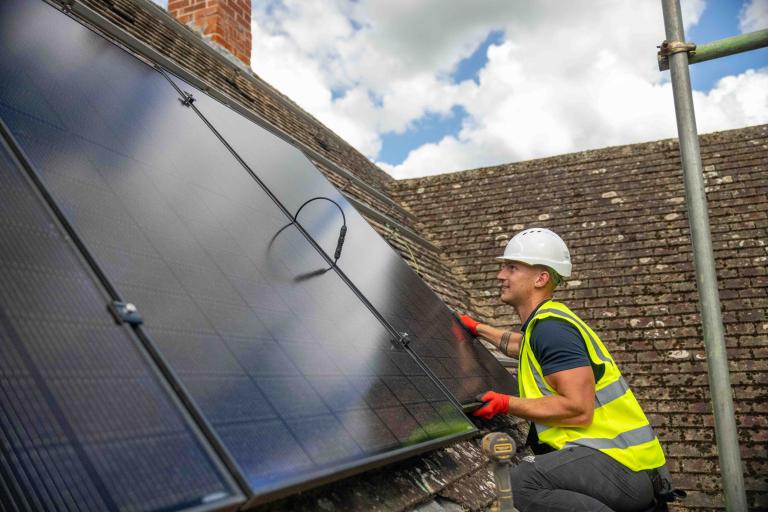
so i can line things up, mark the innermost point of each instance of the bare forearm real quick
(554, 410)
(495, 336)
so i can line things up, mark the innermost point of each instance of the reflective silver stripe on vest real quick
(631, 438)
(542, 389)
(538, 378)
(598, 351)
(602, 397)
(605, 396)
(611, 392)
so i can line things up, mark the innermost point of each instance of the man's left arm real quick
(572, 406)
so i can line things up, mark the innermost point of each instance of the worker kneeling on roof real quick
(595, 449)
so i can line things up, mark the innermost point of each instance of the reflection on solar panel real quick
(396, 291)
(85, 421)
(297, 379)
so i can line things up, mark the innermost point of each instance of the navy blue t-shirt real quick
(557, 345)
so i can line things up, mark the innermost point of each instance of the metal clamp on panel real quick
(125, 312)
(187, 100)
(404, 339)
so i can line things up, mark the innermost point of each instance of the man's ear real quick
(542, 279)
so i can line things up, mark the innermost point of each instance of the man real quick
(595, 449)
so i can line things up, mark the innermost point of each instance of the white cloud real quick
(307, 49)
(692, 11)
(754, 16)
(736, 101)
(567, 76)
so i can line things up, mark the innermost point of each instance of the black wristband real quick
(505, 342)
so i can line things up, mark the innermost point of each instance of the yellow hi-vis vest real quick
(619, 427)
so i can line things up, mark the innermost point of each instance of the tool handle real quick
(503, 478)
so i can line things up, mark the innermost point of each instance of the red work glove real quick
(495, 403)
(470, 323)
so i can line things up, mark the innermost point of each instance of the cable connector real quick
(340, 243)
(342, 230)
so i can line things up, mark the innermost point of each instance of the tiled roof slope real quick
(157, 30)
(622, 212)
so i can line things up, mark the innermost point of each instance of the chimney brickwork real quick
(226, 22)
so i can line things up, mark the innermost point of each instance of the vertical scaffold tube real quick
(706, 277)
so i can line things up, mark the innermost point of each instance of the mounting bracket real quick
(125, 312)
(187, 100)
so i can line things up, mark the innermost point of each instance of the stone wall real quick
(622, 212)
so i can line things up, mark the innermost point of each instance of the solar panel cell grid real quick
(402, 298)
(79, 401)
(275, 353)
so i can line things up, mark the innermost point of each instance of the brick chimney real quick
(226, 22)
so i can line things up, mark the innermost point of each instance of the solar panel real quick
(86, 423)
(296, 377)
(465, 367)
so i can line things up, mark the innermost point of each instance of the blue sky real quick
(720, 20)
(428, 128)
(469, 67)
(429, 86)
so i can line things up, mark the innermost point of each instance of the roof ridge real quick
(596, 154)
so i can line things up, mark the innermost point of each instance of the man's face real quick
(517, 281)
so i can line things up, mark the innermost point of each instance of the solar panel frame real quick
(160, 59)
(403, 337)
(338, 472)
(474, 371)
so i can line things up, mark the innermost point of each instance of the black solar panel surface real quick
(85, 421)
(397, 292)
(297, 378)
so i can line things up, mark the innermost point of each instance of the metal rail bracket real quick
(187, 100)
(125, 312)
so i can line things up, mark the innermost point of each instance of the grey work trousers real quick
(579, 479)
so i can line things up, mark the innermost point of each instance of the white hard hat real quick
(539, 246)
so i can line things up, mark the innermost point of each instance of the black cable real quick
(342, 231)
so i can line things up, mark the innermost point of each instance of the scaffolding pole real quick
(722, 48)
(704, 265)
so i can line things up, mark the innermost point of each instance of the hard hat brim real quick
(558, 267)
